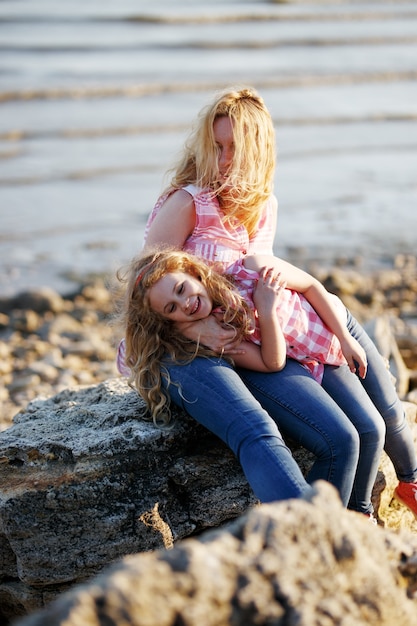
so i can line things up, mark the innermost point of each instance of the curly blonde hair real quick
(250, 179)
(153, 340)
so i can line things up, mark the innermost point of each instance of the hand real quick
(211, 333)
(355, 355)
(268, 289)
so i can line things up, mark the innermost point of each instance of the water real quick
(96, 99)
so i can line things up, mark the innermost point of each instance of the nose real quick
(225, 158)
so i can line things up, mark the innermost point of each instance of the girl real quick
(173, 290)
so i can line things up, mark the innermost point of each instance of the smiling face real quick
(180, 297)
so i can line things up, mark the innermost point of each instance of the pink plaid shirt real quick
(307, 338)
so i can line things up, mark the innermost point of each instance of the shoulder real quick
(178, 199)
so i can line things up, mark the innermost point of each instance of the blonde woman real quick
(221, 207)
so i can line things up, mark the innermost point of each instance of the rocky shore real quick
(145, 491)
(49, 342)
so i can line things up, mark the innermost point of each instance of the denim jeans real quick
(371, 406)
(305, 412)
(378, 384)
(211, 391)
(344, 423)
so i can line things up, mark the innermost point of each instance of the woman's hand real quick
(212, 334)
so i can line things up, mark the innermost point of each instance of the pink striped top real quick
(216, 240)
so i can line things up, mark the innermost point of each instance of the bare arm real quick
(271, 356)
(321, 300)
(174, 222)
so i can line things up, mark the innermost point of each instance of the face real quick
(180, 297)
(223, 135)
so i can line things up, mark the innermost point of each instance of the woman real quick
(220, 206)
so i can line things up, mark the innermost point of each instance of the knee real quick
(348, 442)
(374, 434)
(340, 443)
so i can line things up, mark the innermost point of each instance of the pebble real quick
(49, 342)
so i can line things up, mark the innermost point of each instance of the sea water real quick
(97, 98)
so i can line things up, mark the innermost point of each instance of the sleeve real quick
(121, 359)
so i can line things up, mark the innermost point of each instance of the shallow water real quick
(96, 99)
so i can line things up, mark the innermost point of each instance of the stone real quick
(291, 562)
(40, 300)
(84, 480)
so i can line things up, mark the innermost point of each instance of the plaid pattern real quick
(307, 338)
(219, 242)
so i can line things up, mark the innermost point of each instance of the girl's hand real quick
(355, 355)
(211, 333)
(268, 289)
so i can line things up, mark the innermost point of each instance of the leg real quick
(399, 444)
(213, 394)
(345, 389)
(306, 413)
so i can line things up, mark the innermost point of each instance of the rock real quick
(71, 500)
(25, 321)
(292, 562)
(389, 512)
(4, 321)
(81, 327)
(380, 331)
(74, 335)
(39, 300)
(85, 481)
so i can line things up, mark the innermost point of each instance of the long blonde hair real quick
(153, 340)
(250, 179)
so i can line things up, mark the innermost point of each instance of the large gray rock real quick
(84, 481)
(292, 562)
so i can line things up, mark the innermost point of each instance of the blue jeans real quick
(379, 387)
(211, 391)
(371, 406)
(344, 422)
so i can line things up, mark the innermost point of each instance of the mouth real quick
(196, 306)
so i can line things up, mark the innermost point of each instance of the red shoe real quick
(406, 493)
